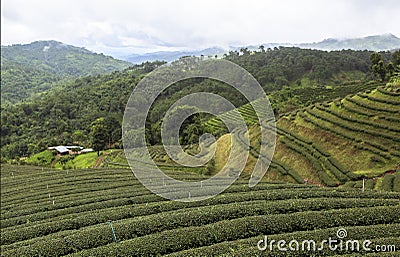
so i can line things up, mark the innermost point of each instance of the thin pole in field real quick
(363, 187)
(113, 231)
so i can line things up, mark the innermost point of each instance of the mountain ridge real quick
(383, 42)
(28, 69)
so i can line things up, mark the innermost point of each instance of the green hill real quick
(36, 67)
(334, 142)
(337, 132)
(64, 114)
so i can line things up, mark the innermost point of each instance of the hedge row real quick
(280, 167)
(357, 110)
(323, 176)
(265, 195)
(89, 190)
(14, 200)
(247, 112)
(396, 182)
(191, 237)
(387, 182)
(284, 170)
(328, 162)
(248, 246)
(99, 235)
(385, 101)
(387, 241)
(369, 106)
(296, 136)
(391, 119)
(339, 172)
(101, 200)
(344, 135)
(18, 182)
(353, 127)
(358, 121)
(231, 195)
(24, 175)
(106, 200)
(386, 92)
(382, 149)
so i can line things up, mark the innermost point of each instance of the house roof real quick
(87, 150)
(61, 149)
(65, 149)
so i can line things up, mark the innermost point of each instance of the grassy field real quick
(47, 212)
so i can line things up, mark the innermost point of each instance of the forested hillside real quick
(65, 116)
(37, 67)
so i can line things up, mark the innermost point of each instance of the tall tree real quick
(99, 135)
(378, 65)
(396, 58)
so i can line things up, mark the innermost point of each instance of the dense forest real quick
(68, 114)
(30, 69)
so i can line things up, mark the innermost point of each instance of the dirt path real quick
(100, 160)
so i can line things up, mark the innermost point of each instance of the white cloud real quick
(153, 25)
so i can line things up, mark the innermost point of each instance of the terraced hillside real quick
(335, 142)
(304, 95)
(47, 212)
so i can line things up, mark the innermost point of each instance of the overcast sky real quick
(149, 25)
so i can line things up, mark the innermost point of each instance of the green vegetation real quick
(103, 131)
(48, 158)
(67, 212)
(332, 142)
(44, 158)
(382, 69)
(38, 67)
(335, 163)
(313, 143)
(387, 182)
(293, 77)
(82, 161)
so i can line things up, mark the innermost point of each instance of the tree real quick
(99, 135)
(191, 128)
(380, 69)
(378, 65)
(396, 58)
(375, 58)
(113, 129)
(245, 51)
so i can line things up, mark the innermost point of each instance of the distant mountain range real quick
(374, 43)
(33, 68)
(36, 67)
(171, 55)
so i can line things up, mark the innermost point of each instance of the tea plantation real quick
(48, 212)
(334, 143)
